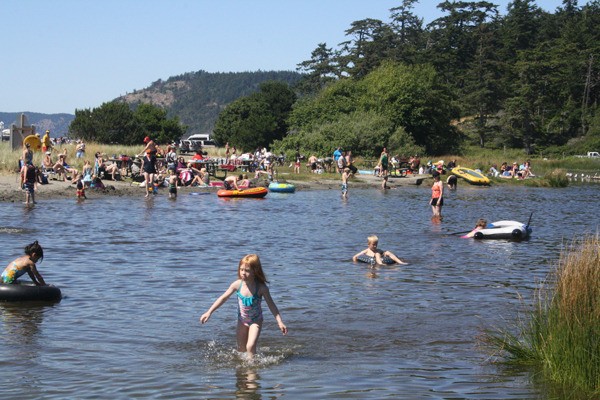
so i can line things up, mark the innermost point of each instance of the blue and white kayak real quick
(504, 230)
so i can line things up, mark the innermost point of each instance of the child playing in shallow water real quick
(25, 264)
(375, 253)
(481, 224)
(250, 287)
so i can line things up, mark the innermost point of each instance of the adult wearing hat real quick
(46, 143)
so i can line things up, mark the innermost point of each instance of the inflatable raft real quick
(251, 192)
(371, 260)
(29, 292)
(504, 230)
(279, 187)
(34, 142)
(471, 176)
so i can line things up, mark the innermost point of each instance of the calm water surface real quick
(136, 275)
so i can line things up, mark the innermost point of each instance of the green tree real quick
(371, 43)
(115, 122)
(256, 120)
(152, 121)
(409, 38)
(412, 97)
(320, 70)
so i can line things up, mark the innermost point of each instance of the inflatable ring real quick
(29, 292)
(35, 144)
(371, 260)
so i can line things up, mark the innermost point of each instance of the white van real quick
(204, 139)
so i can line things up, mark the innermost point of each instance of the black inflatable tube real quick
(29, 292)
(371, 260)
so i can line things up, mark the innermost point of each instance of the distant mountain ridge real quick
(196, 98)
(57, 124)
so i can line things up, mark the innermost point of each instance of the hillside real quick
(195, 97)
(58, 124)
(198, 97)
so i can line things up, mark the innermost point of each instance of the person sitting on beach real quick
(25, 264)
(96, 183)
(101, 165)
(199, 155)
(47, 162)
(231, 182)
(62, 166)
(375, 253)
(481, 224)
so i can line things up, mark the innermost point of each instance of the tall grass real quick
(9, 159)
(561, 333)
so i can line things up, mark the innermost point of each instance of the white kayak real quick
(504, 230)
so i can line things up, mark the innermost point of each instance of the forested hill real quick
(58, 124)
(198, 97)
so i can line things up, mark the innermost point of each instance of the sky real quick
(62, 55)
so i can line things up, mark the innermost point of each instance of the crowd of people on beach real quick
(153, 167)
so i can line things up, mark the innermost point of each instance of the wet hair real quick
(372, 239)
(253, 262)
(34, 248)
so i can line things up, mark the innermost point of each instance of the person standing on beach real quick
(27, 155)
(46, 143)
(150, 147)
(80, 150)
(384, 162)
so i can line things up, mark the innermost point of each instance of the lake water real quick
(136, 275)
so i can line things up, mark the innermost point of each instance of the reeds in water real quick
(561, 334)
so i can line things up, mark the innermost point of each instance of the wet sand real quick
(10, 190)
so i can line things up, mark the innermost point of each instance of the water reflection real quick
(247, 383)
(21, 327)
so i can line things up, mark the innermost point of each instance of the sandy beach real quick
(10, 190)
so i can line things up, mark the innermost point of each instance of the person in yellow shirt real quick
(46, 144)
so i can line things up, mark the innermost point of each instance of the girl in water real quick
(25, 264)
(437, 196)
(481, 224)
(250, 287)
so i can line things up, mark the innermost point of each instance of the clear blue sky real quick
(62, 55)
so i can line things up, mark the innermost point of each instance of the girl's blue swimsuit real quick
(249, 307)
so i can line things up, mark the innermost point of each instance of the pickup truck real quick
(591, 154)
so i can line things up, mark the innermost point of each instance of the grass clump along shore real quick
(561, 333)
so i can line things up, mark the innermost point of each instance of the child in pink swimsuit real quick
(250, 288)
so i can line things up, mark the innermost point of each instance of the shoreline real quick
(10, 190)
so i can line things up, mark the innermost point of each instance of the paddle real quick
(459, 233)
(529, 222)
